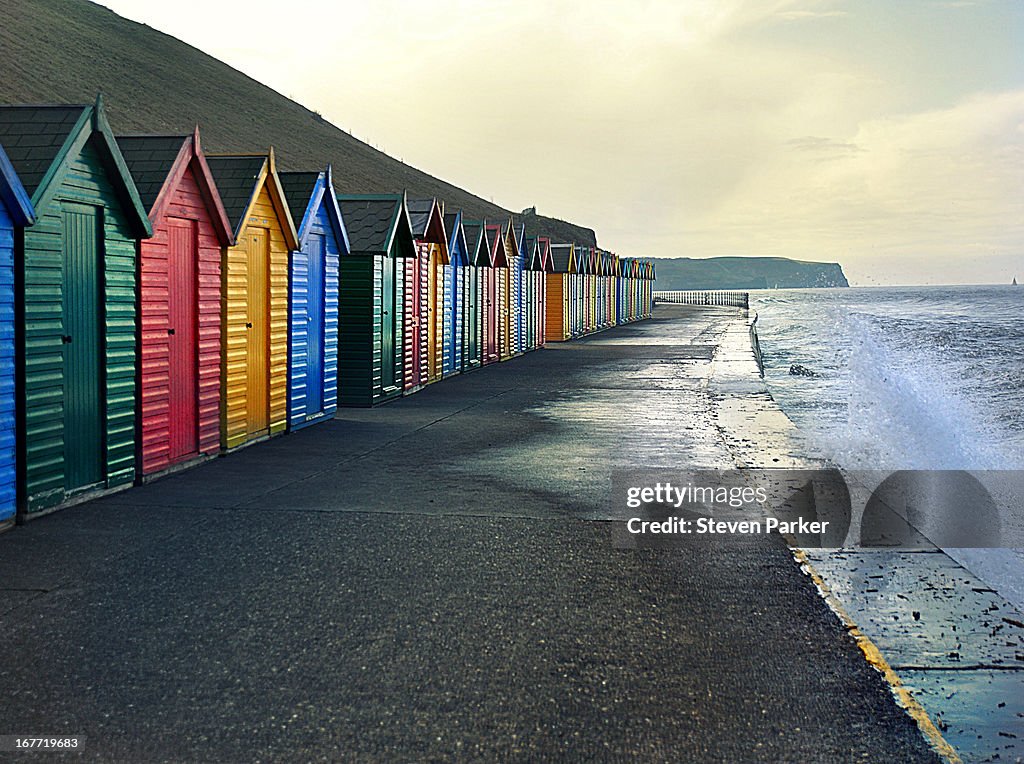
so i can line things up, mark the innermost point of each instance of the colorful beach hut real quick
(603, 268)
(544, 268)
(508, 288)
(621, 289)
(75, 305)
(577, 282)
(16, 212)
(313, 296)
(424, 331)
(630, 290)
(649, 290)
(179, 332)
(517, 300)
(494, 294)
(454, 293)
(254, 376)
(559, 297)
(527, 316)
(478, 258)
(582, 290)
(590, 308)
(370, 353)
(612, 289)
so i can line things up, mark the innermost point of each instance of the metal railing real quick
(755, 343)
(726, 299)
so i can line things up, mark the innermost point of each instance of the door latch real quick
(170, 332)
(66, 339)
(248, 325)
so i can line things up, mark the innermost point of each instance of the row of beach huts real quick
(160, 306)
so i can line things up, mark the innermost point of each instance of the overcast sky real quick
(885, 134)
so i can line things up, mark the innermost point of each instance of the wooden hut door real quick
(432, 311)
(315, 324)
(492, 312)
(471, 328)
(414, 313)
(387, 324)
(257, 335)
(182, 256)
(457, 326)
(82, 227)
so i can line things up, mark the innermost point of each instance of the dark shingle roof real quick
(419, 216)
(476, 241)
(235, 177)
(369, 221)
(449, 221)
(560, 257)
(532, 260)
(32, 137)
(499, 255)
(298, 189)
(149, 159)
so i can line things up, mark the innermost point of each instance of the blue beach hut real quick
(313, 296)
(521, 290)
(454, 292)
(15, 212)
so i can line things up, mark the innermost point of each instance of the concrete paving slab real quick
(423, 581)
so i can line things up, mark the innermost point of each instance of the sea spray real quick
(913, 377)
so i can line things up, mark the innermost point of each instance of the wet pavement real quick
(956, 644)
(431, 580)
(953, 642)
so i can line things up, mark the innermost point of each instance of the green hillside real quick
(64, 51)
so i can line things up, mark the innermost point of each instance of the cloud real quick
(804, 15)
(915, 189)
(824, 148)
(808, 128)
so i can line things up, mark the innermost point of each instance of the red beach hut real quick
(179, 301)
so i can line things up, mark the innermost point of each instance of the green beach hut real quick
(76, 304)
(370, 325)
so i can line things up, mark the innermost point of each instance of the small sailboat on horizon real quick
(1014, 283)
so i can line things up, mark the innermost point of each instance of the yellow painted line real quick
(874, 657)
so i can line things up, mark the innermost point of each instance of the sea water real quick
(928, 378)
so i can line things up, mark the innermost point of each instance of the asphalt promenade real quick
(435, 580)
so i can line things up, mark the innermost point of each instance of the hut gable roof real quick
(496, 234)
(427, 220)
(376, 223)
(544, 245)
(530, 250)
(157, 164)
(240, 178)
(13, 194)
(42, 142)
(150, 159)
(298, 190)
(509, 239)
(562, 258)
(478, 245)
(305, 192)
(33, 137)
(531, 254)
(458, 247)
(420, 212)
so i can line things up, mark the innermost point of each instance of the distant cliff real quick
(744, 273)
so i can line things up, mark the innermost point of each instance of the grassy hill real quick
(65, 51)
